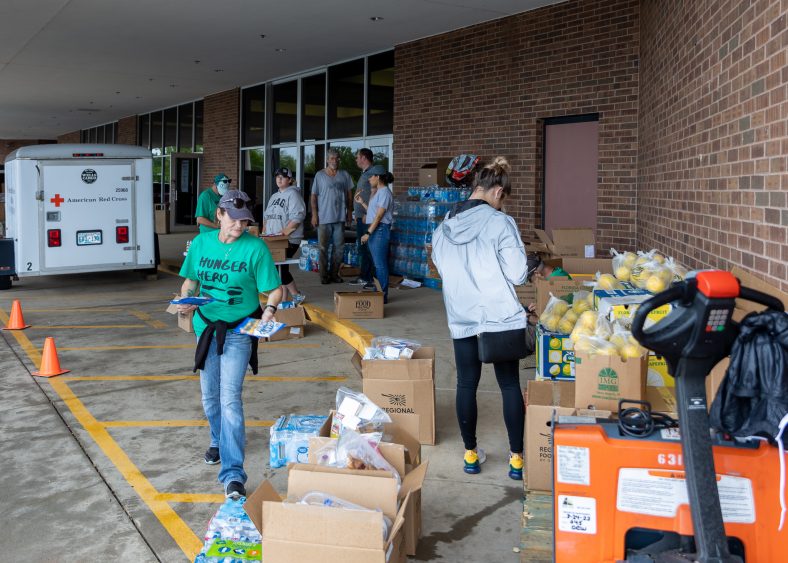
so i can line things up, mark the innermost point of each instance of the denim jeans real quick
(365, 260)
(379, 249)
(328, 234)
(221, 382)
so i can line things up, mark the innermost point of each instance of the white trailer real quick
(78, 208)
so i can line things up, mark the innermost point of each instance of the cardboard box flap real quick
(587, 266)
(401, 433)
(323, 525)
(254, 503)
(545, 239)
(414, 480)
(371, 489)
(572, 237)
(393, 453)
(420, 367)
(551, 393)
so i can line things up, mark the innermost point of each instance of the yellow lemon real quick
(555, 343)
(618, 340)
(608, 281)
(588, 320)
(551, 322)
(554, 369)
(659, 257)
(629, 259)
(630, 351)
(666, 275)
(560, 307)
(606, 351)
(655, 284)
(581, 305)
(571, 316)
(567, 370)
(623, 273)
(565, 325)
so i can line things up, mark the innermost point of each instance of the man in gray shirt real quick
(332, 208)
(364, 161)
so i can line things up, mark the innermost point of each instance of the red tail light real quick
(121, 235)
(53, 237)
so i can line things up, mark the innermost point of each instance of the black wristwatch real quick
(273, 307)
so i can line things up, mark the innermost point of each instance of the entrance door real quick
(570, 172)
(184, 189)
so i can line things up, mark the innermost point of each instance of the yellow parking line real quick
(357, 337)
(186, 539)
(143, 316)
(191, 497)
(174, 347)
(196, 377)
(76, 309)
(44, 327)
(174, 423)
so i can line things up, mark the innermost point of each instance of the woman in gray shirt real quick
(378, 219)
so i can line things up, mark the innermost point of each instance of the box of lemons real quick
(554, 355)
(602, 379)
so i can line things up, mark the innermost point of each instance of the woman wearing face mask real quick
(285, 216)
(209, 201)
(480, 256)
(378, 220)
(234, 268)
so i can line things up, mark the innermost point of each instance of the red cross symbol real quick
(57, 200)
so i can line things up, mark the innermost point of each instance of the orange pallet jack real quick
(675, 495)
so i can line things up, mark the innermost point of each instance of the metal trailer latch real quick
(131, 178)
(40, 195)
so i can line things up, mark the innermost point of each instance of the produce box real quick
(555, 355)
(600, 381)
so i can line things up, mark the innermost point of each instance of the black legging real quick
(287, 277)
(469, 371)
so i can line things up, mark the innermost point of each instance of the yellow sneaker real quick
(473, 460)
(516, 466)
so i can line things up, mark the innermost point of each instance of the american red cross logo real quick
(57, 200)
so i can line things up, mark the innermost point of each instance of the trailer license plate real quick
(86, 238)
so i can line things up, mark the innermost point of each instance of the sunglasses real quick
(237, 202)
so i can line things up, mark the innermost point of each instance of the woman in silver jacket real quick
(480, 256)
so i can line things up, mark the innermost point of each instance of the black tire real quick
(5, 282)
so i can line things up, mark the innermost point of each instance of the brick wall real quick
(126, 133)
(73, 137)
(486, 89)
(220, 137)
(713, 148)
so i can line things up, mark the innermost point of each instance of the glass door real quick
(184, 189)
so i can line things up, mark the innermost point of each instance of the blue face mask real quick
(222, 187)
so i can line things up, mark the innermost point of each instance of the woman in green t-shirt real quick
(233, 267)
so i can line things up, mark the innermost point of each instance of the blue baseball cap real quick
(222, 177)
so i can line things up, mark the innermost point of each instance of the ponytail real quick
(493, 175)
(386, 178)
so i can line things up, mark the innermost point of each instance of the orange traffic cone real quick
(16, 321)
(50, 365)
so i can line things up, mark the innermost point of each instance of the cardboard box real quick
(543, 400)
(161, 218)
(587, 267)
(277, 245)
(359, 304)
(185, 320)
(657, 374)
(600, 381)
(662, 399)
(748, 280)
(573, 243)
(295, 323)
(434, 173)
(405, 388)
(622, 304)
(295, 532)
(399, 456)
(559, 287)
(347, 271)
(555, 355)
(526, 294)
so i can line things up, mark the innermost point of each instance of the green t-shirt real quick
(206, 207)
(233, 274)
(559, 272)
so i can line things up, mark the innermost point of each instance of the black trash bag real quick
(753, 396)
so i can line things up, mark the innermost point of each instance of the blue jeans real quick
(379, 249)
(365, 260)
(221, 382)
(327, 234)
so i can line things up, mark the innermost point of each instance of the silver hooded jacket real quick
(480, 255)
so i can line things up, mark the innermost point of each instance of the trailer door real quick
(86, 209)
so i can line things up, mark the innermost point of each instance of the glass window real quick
(185, 127)
(253, 116)
(92, 135)
(83, 136)
(314, 160)
(380, 155)
(198, 112)
(170, 130)
(99, 134)
(143, 130)
(380, 94)
(313, 108)
(285, 156)
(157, 180)
(346, 100)
(165, 172)
(254, 179)
(155, 130)
(285, 112)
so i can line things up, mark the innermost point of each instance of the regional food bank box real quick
(359, 304)
(405, 388)
(303, 532)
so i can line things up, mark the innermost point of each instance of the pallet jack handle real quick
(693, 338)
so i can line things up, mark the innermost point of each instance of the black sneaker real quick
(358, 281)
(212, 456)
(369, 287)
(234, 490)
(337, 279)
(325, 281)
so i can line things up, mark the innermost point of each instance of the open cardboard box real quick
(359, 304)
(560, 287)
(403, 388)
(573, 243)
(295, 532)
(185, 320)
(295, 322)
(277, 246)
